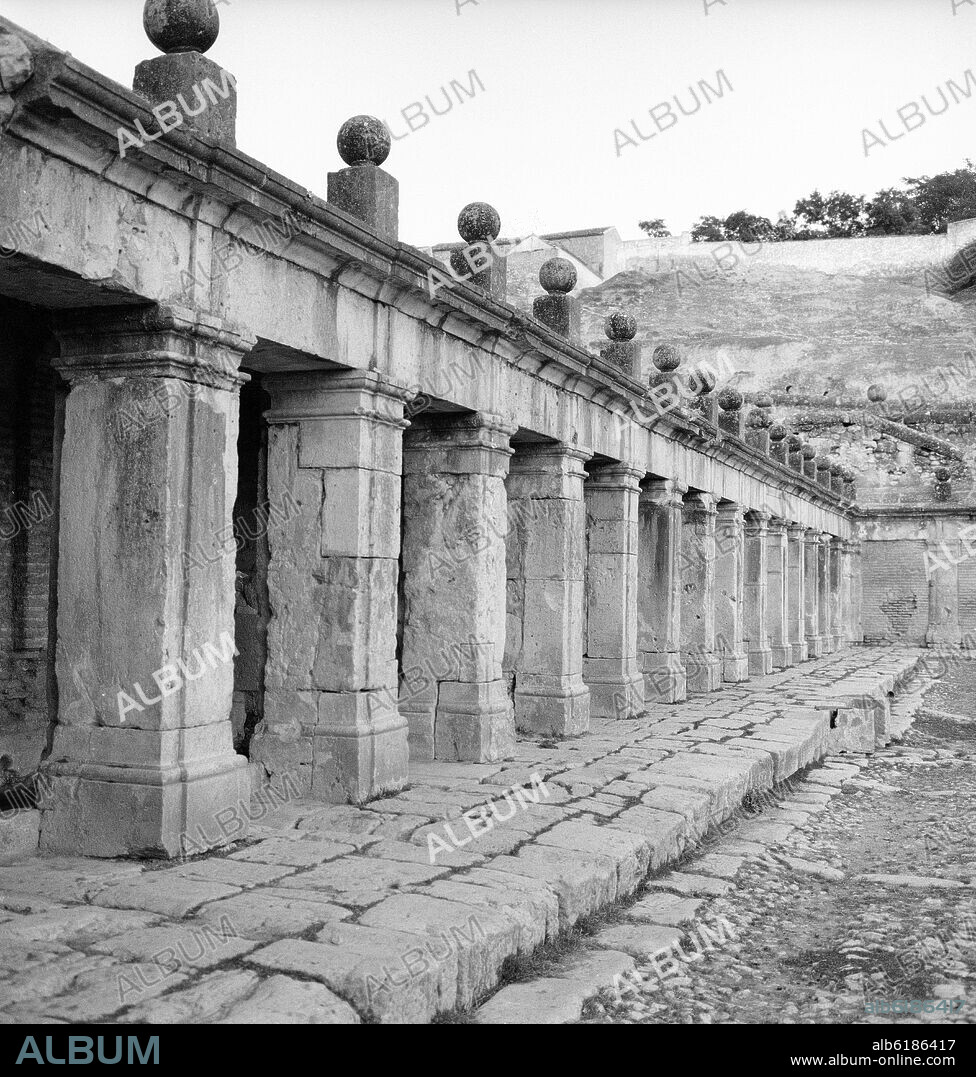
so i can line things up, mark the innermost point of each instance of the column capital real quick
(150, 342)
(796, 531)
(731, 511)
(814, 537)
(480, 429)
(551, 458)
(699, 503)
(615, 476)
(336, 394)
(665, 493)
(757, 522)
(778, 525)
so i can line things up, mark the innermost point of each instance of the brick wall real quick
(896, 591)
(28, 387)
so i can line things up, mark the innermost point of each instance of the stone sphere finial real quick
(620, 326)
(877, 394)
(558, 276)
(809, 452)
(704, 381)
(759, 419)
(794, 443)
(479, 222)
(836, 468)
(943, 474)
(778, 432)
(666, 358)
(730, 399)
(364, 140)
(181, 25)
(764, 401)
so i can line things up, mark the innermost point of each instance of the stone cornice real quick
(90, 109)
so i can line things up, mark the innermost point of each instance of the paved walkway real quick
(406, 908)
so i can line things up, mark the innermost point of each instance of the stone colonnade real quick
(438, 586)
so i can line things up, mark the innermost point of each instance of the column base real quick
(943, 635)
(350, 768)
(623, 698)
(826, 645)
(703, 673)
(801, 652)
(839, 642)
(735, 667)
(562, 711)
(665, 680)
(782, 656)
(474, 723)
(760, 662)
(146, 812)
(814, 647)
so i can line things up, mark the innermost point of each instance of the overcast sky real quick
(559, 77)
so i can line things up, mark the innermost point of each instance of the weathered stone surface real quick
(369, 967)
(361, 880)
(162, 892)
(555, 1000)
(688, 883)
(268, 916)
(19, 833)
(299, 852)
(664, 908)
(638, 940)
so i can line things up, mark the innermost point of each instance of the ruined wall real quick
(28, 387)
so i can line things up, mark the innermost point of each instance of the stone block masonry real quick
(343, 902)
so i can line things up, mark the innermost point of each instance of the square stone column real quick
(730, 592)
(857, 591)
(659, 591)
(796, 585)
(335, 444)
(777, 590)
(943, 627)
(611, 668)
(838, 634)
(823, 593)
(142, 760)
(546, 558)
(812, 575)
(455, 520)
(756, 632)
(703, 668)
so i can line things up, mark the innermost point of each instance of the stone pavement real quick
(415, 905)
(863, 913)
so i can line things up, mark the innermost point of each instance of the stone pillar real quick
(943, 578)
(142, 760)
(823, 593)
(659, 591)
(730, 592)
(811, 596)
(335, 443)
(846, 597)
(702, 667)
(611, 668)
(455, 520)
(857, 591)
(546, 557)
(777, 591)
(838, 632)
(796, 589)
(756, 631)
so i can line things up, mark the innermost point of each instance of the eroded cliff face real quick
(817, 340)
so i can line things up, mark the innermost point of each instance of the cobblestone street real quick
(869, 900)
